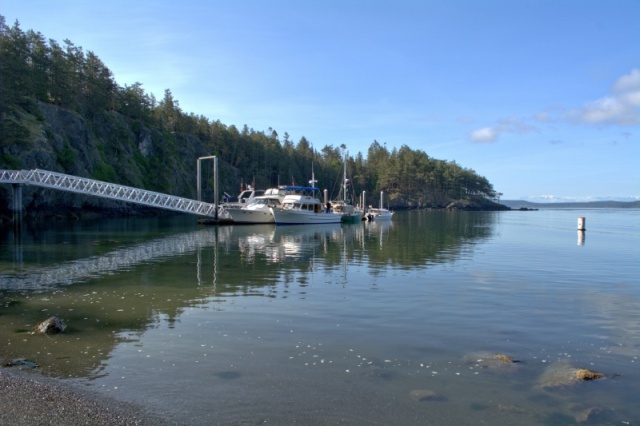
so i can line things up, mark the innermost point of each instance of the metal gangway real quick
(112, 191)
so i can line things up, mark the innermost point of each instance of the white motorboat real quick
(303, 208)
(245, 198)
(258, 210)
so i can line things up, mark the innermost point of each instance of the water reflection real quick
(113, 281)
(235, 323)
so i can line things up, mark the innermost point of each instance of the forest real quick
(39, 75)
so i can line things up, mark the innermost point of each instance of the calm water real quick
(338, 324)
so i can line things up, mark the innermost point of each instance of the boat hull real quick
(379, 214)
(352, 218)
(251, 216)
(301, 217)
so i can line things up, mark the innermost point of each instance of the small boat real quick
(348, 213)
(379, 213)
(245, 198)
(304, 208)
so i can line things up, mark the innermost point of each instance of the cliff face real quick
(104, 147)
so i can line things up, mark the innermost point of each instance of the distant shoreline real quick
(517, 204)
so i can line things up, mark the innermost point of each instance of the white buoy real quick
(581, 223)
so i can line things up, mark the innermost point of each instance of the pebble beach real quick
(32, 399)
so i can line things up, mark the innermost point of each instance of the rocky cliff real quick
(105, 147)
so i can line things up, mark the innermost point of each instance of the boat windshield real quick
(266, 202)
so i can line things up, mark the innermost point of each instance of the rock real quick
(22, 363)
(423, 395)
(584, 374)
(505, 358)
(52, 325)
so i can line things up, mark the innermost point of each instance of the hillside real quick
(61, 110)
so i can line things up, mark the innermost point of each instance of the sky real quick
(540, 97)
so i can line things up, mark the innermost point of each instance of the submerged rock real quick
(378, 372)
(52, 325)
(562, 373)
(595, 415)
(492, 361)
(423, 395)
(514, 409)
(22, 363)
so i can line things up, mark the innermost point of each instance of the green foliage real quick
(104, 172)
(13, 131)
(66, 157)
(8, 161)
(34, 70)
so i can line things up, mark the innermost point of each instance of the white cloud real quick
(622, 107)
(507, 125)
(543, 117)
(486, 135)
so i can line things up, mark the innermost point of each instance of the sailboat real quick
(343, 207)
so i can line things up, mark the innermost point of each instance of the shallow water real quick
(338, 323)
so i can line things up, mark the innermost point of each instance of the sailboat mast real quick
(344, 179)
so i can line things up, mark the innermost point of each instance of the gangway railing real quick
(112, 191)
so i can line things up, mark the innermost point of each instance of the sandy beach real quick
(27, 398)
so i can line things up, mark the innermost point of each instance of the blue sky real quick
(540, 97)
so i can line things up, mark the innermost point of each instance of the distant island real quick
(521, 204)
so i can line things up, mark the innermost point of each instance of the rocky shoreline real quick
(30, 399)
